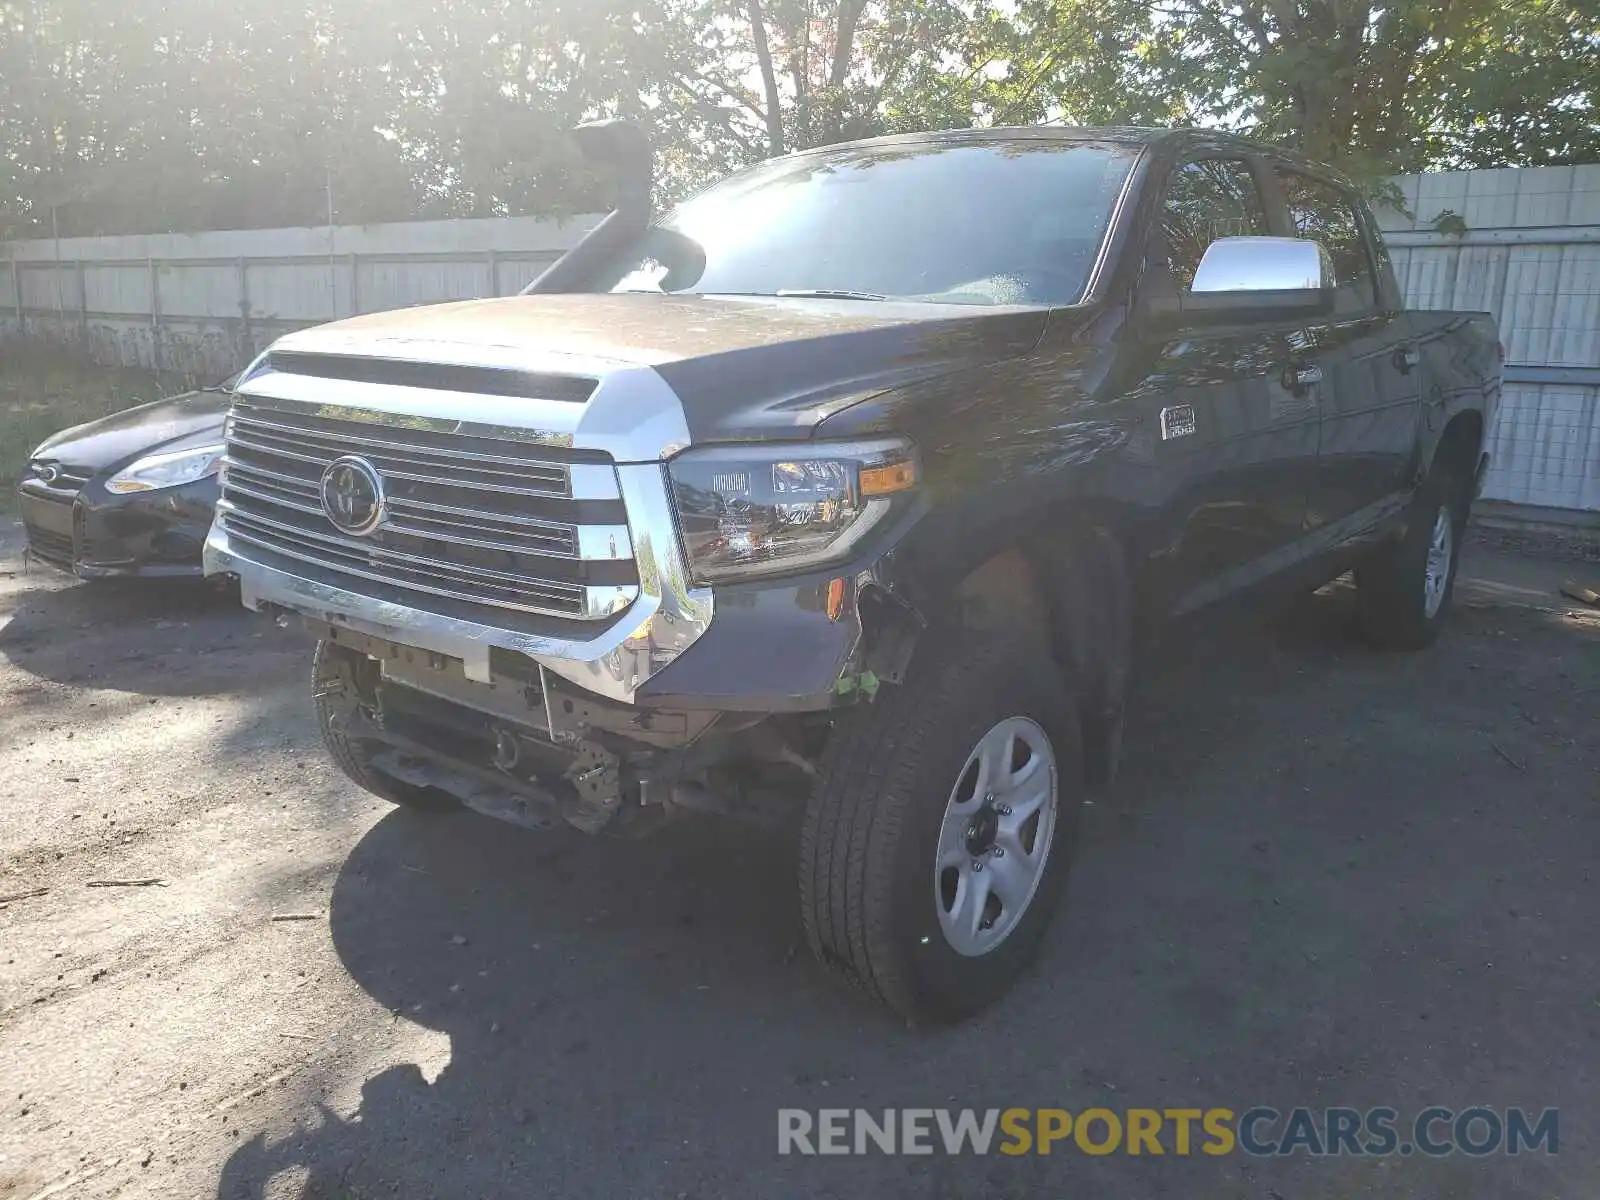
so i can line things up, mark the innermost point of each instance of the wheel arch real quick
(1461, 444)
(1070, 580)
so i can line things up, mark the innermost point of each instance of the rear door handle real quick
(1406, 358)
(1301, 379)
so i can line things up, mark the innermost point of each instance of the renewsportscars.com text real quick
(1433, 1131)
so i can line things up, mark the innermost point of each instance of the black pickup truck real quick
(847, 493)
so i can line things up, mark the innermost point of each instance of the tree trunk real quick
(769, 80)
(1326, 43)
(844, 42)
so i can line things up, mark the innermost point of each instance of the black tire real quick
(1391, 584)
(336, 688)
(871, 829)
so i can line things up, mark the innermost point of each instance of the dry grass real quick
(43, 393)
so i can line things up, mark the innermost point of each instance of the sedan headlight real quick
(775, 509)
(166, 470)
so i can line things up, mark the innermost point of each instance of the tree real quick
(144, 118)
(1526, 91)
(1375, 85)
(188, 114)
(845, 69)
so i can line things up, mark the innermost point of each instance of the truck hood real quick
(741, 366)
(175, 423)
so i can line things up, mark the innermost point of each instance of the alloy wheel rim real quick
(1441, 549)
(995, 839)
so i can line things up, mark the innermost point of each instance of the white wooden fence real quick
(1529, 252)
(203, 303)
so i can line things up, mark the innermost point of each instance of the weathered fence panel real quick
(1523, 244)
(205, 303)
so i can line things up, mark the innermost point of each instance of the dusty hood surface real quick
(742, 366)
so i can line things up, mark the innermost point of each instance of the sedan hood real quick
(742, 366)
(194, 418)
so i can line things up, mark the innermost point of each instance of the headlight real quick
(166, 470)
(775, 509)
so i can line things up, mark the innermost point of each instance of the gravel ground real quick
(1326, 877)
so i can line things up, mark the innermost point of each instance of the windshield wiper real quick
(828, 294)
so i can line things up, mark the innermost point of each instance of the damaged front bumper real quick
(782, 646)
(95, 534)
(527, 749)
(612, 660)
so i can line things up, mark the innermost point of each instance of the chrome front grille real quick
(402, 454)
(475, 516)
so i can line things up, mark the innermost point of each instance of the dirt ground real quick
(1326, 877)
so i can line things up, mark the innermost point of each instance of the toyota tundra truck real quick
(848, 494)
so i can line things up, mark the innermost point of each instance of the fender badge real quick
(1177, 421)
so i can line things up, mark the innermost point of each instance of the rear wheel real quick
(1406, 587)
(939, 834)
(341, 687)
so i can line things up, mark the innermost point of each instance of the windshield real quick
(1006, 222)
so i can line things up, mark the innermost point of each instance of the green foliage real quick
(43, 392)
(1373, 86)
(1523, 88)
(187, 114)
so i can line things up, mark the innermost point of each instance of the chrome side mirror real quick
(1263, 264)
(1241, 280)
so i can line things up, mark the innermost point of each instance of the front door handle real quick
(1406, 359)
(1301, 379)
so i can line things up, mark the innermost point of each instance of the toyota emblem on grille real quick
(352, 495)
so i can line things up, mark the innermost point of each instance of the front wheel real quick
(938, 837)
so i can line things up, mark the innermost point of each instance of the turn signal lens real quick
(835, 599)
(895, 477)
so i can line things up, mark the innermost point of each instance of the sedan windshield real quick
(1009, 221)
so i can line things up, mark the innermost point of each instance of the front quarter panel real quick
(773, 647)
(1010, 449)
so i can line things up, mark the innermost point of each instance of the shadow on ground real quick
(154, 637)
(1315, 884)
